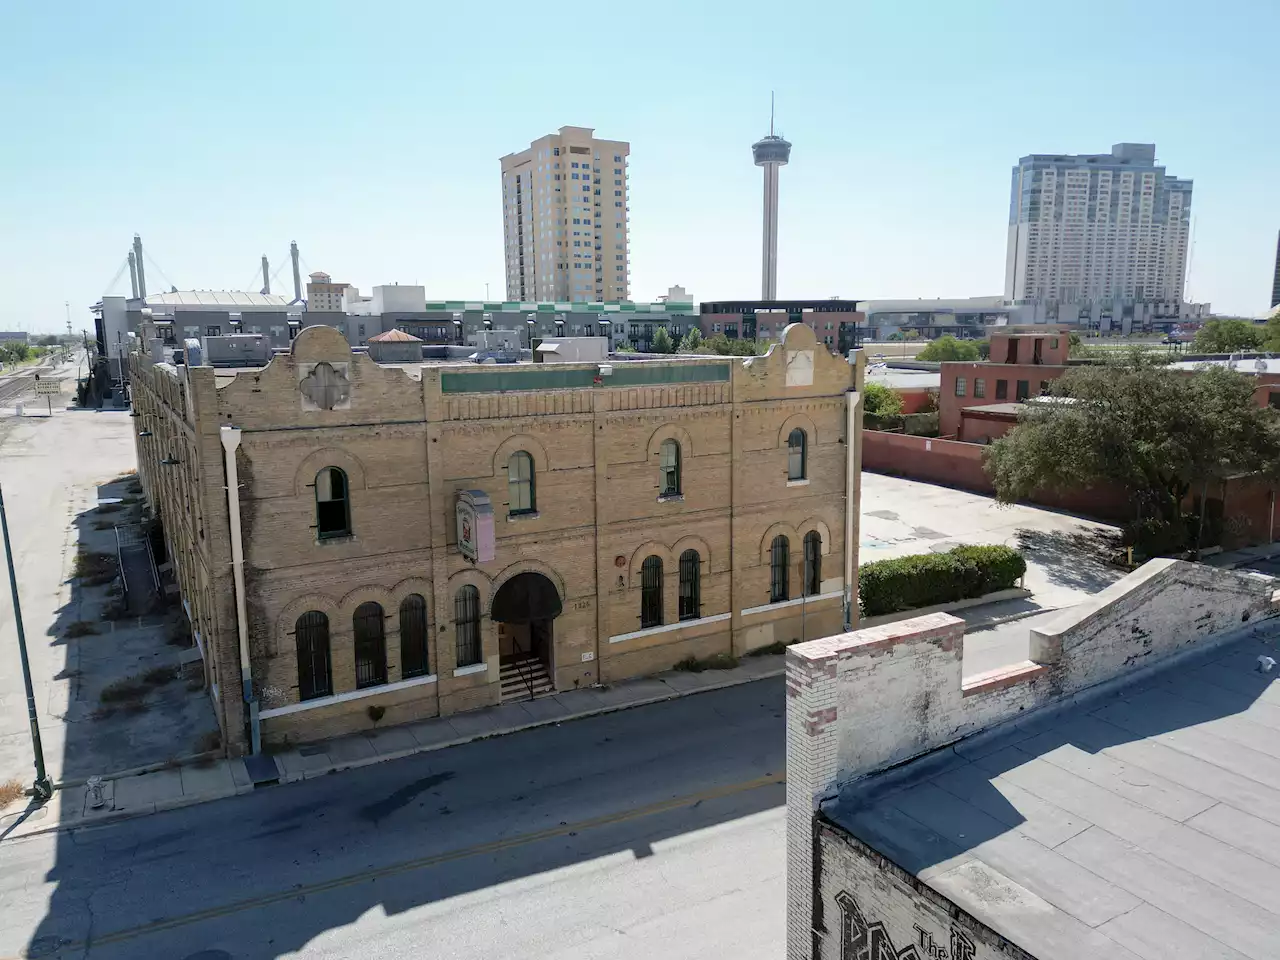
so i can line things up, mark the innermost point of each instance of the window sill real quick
(517, 517)
(333, 698)
(671, 498)
(798, 483)
(470, 669)
(797, 601)
(668, 627)
(330, 541)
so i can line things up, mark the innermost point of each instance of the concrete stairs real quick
(518, 676)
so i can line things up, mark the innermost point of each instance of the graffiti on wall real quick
(864, 939)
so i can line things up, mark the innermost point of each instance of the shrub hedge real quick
(926, 579)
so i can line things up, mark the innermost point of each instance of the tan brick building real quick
(643, 511)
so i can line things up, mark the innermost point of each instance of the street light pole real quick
(43, 786)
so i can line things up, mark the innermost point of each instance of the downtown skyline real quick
(901, 189)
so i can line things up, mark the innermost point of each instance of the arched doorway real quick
(525, 608)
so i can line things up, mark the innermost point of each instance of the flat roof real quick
(1141, 822)
(1241, 365)
(893, 377)
(544, 306)
(1011, 408)
(217, 298)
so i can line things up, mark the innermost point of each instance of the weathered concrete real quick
(866, 700)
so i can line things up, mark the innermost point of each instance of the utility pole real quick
(42, 787)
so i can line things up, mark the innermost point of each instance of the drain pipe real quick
(852, 399)
(231, 443)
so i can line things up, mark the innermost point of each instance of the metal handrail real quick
(528, 681)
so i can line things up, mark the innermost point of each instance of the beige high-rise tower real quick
(564, 219)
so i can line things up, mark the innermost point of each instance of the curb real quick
(240, 789)
(520, 727)
(1021, 615)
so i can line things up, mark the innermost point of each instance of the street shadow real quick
(131, 691)
(1040, 778)
(1078, 558)
(263, 875)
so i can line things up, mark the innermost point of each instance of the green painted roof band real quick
(548, 377)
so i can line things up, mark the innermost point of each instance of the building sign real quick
(475, 525)
(871, 909)
(48, 388)
(862, 937)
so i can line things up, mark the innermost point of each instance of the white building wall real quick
(1096, 228)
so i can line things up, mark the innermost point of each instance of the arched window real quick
(812, 563)
(311, 634)
(669, 480)
(466, 623)
(370, 644)
(521, 495)
(413, 637)
(690, 585)
(779, 561)
(797, 455)
(651, 592)
(333, 507)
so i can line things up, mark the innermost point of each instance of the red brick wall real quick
(955, 464)
(913, 401)
(949, 405)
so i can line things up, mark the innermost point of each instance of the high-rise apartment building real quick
(564, 219)
(1110, 226)
(323, 295)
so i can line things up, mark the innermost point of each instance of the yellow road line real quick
(496, 846)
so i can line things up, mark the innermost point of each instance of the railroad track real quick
(16, 387)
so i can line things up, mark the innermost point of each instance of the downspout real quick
(852, 399)
(1271, 516)
(231, 443)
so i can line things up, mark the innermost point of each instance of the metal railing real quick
(134, 535)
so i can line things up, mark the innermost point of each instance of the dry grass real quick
(159, 676)
(79, 628)
(10, 791)
(180, 635)
(208, 742)
(93, 568)
(126, 691)
(717, 661)
(110, 507)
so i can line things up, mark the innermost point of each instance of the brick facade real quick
(409, 438)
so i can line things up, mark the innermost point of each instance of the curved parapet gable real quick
(321, 381)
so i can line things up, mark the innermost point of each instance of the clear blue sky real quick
(371, 132)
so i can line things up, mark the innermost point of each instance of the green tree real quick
(662, 342)
(720, 344)
(1151, 431)
(692, 341)
(880, 399)
(949, 348)
(1228, 336)
(14, 351)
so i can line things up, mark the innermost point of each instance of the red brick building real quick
(1024, 360)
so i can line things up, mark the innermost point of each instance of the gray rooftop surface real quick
(1142, 823)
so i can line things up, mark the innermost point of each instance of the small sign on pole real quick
(48, 389)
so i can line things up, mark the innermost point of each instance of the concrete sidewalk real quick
(181, 786)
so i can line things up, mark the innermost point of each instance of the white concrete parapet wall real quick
(862, 701)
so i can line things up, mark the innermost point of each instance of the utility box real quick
(572, 350)
(238, 350)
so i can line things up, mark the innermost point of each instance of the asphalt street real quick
(650, 832)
